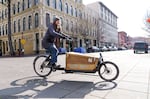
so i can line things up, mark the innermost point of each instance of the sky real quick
(130, 14)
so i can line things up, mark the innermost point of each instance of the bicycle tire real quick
(106, 67)
(35, 66)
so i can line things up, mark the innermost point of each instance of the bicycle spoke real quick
(41, 66)
(108, 71)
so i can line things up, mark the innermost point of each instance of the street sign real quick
(23, 41)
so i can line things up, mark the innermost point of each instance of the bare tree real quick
(146, 23)
(100, 31)
(86, 30)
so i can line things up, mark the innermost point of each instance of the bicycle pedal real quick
(53, 69)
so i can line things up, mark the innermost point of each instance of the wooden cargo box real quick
(80, 62)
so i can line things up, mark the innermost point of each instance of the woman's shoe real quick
(55, 66)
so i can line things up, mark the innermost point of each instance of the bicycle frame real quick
(101, 58)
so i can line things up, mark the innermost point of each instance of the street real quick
(19, 81)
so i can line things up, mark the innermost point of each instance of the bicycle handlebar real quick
(67, 37)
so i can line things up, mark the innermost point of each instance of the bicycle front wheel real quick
(108, 71)
(40, 65)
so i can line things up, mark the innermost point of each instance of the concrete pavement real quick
(18, 80)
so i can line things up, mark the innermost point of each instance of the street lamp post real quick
(9, 27)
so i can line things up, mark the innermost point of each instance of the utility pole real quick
(9, 27)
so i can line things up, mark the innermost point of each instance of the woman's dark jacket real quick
(50, 36)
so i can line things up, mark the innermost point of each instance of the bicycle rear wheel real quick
(40, 65)
(108, 71)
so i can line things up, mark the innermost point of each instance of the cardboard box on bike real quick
(80, 62)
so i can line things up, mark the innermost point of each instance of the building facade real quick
(122, 39)
(141, 39)
(107, 24)
(129, 42)
(30, 19)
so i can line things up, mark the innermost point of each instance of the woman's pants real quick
(54, 53)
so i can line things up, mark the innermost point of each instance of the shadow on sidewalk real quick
(21, 85)
(62, 89)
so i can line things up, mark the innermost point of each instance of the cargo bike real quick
(78, 62)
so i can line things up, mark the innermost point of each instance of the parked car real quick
(114, 48)
(104, 48)
(122, 48)
(148, 47)
(140, 47)
(109, 48)
(93, 49)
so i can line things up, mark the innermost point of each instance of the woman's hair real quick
(55, 26)
(56, 19)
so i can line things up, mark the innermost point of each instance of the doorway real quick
(4, 48)
(37, 44)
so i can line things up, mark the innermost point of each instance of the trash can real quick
(80, 50)
(62, 50)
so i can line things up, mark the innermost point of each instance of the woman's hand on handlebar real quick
(69, 39)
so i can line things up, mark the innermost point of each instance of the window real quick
(71, 26)
(54, 4)
(66, 8)
(60, 5)
(2, 14)
(76, 28)
(54, 16)
(14, 9)
(84, 15)
(29, 3)
(0, 31)
(6, 13)
(6, 29)
(48, 2)
(76, 14)
(67, 25)
(6, 45)
(18, 7)
(15, 45)
(3, 30)
(29, 22)
(71, 10)
(19, 25)
(47, 19)
(14, 26)
(80, 14)
(24, 24)
(23, 5)
(36, 20)
(36, 2)
(61, 21)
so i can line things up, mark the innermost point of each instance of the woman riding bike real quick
(48, 42)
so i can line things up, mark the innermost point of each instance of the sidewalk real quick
(133, 81)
